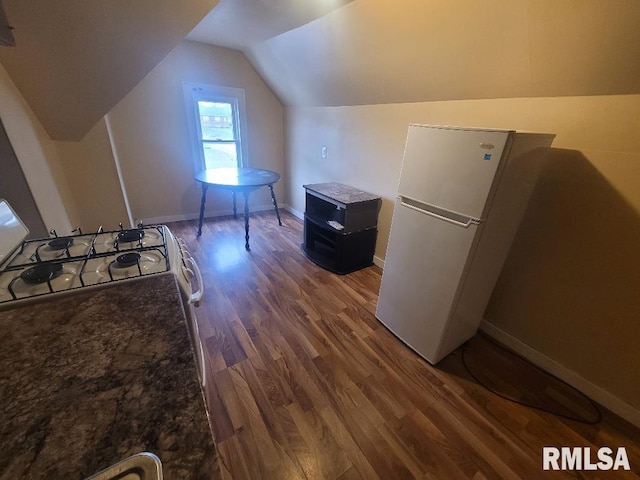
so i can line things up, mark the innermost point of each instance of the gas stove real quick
(58, 264)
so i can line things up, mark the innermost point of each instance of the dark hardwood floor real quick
(305, 383)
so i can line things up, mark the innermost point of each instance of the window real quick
(217, 119)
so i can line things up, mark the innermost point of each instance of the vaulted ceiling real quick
(376, 51)
(75, 59)
(241, 24)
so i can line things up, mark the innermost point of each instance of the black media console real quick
(340, 226)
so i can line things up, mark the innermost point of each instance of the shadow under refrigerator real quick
(461, 197)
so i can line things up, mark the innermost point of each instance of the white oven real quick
(35, 269)
(187, 272)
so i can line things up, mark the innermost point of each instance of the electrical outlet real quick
(323, 152)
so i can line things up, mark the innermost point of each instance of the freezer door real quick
(451, 168)
(424, 268)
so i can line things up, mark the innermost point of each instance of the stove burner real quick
(41, 273)
(130, 235)
(61, 243)
(127, 260)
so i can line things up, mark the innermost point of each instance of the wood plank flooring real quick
(305, 383)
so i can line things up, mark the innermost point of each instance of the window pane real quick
(220, 155)
(216, 121)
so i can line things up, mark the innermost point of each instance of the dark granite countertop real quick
(90, 379)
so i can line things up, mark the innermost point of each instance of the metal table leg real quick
(234, 204)
(202, 203)
(246, 220)
(275, 203)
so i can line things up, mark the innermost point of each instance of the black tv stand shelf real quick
(349, 241)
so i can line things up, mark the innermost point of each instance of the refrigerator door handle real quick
(439, 213)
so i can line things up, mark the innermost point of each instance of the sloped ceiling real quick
(240, 24)
(74, 60)
(377, 51)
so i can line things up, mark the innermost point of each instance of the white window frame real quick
(195, 92)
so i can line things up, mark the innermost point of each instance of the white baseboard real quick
(209, 214)
(604, 398)
(378, 261)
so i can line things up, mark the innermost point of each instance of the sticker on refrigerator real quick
(487, 156)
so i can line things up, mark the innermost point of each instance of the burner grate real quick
(128, 236)
(61, 243)
(127, 260)
(39, 267)
(41, 273)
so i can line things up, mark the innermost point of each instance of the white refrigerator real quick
(461, 197)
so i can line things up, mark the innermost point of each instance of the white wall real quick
(90, 170)
(569, 287)
(151, 136)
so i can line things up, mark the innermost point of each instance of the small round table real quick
(244, 180)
